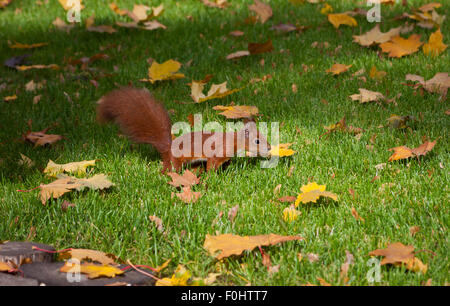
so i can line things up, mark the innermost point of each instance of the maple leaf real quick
(404, 152)
(438, 84)
(10, 98)
(341, 19)
(282, 150)
(399, 254)
(187, 179)
(434, 46)
(365, 96)
(237, 111)
(216, 91)
(66, 184)
(338, 69)
(92, 270)
(230, 244)
(263, 11)
(312, 192)
(79, 168)
(399, 46)
(375, 36)
(89, 255)
(188, 196)
(258, 48)
(165, 71)
(40, 138)
(375, 74)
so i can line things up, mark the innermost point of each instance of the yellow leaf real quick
(282, 150)
(179, 278)
(93, 271)
(375, 74)
(78, 168)
(341, 19)
(326, 9)
(312, 192)
(65, 4)
(165, 71)
(10, 98)
(338, 69)
(24, 67)
(237, 111)
(216, 91)
(399, 46)
(435, 46)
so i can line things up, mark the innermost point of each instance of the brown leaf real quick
(232, 212)
(258, 48)
(89, 255)
(394, 253)
(404, 152)
(188, 196)
(263, 11)
(187, 179)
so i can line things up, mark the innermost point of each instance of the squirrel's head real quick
(255, 142)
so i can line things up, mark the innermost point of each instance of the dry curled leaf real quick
(229, 244)
(438, 84)
(89, 255)
(216, 91)
(375, 36)
(365, 96)
(435, 45)
(399, 254)
(338, 69)
(258, 48)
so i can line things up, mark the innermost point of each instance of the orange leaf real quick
(399, 46)
(230, 244)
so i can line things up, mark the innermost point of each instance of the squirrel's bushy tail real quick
(140, 116)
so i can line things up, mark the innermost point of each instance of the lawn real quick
(391, 200)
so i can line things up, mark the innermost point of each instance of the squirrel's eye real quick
(257, 141)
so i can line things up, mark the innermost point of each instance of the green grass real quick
(117, 220)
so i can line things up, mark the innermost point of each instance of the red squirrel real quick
(145, 120)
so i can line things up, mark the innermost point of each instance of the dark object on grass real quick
(17, 61)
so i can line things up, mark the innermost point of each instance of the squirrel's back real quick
(139, 115)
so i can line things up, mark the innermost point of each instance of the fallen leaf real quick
(89, 255)
(68, 4)
(399, 254)
(237, 111)
(92, 270)
(312, 192)
(229, 244)
(24, 67)
(77, 168)
(179, 278)
(365, 96)
(98, 28)
(282, 150)
(375, 36)
(434, 46)
(356, 215)
(232, 212)
(187, 179)
(338, 69)
(398, 46)
(158, 223)
(165, 71)
(342, 127)
(262, 10)
(403, 152)
(216, 91)
(375, 74)
(258, 48)
(438, 84)
(40, 138)
(61, 25)
(17, 45)
(188, 196)
(10, 98)
(238, 54)
(341, 19)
